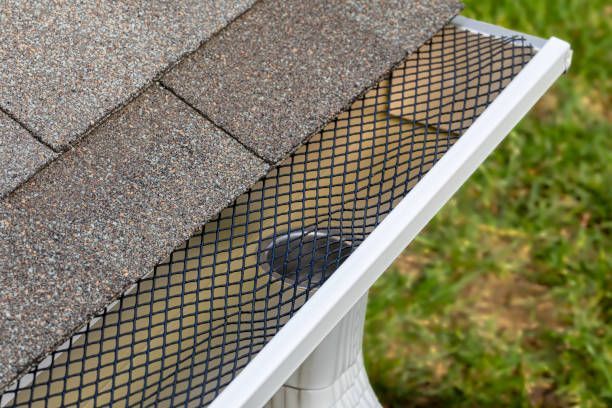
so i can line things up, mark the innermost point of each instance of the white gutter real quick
(263, 376)
(480, 27)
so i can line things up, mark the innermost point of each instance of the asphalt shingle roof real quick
(77, 227)
(286, 68)
(66, 64)
(101, 216)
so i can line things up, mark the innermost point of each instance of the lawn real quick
(505, 299)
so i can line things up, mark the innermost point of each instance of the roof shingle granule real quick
(284, 69)
(104, 214)
(20, 154)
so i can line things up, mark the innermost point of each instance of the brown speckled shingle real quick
(65, 65)
(20, 154)
(102, 215)
(285, 68)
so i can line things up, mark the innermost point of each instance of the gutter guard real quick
(236, 309)
(274, 364)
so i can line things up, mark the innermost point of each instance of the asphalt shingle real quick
(65, 65)
(20, 154)
(285, 68)
(104, 214)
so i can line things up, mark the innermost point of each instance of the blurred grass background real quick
(506, 298)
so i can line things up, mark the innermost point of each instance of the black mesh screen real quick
(181, 334)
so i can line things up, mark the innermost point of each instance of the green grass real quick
(506, 298)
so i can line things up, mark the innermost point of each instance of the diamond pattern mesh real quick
(182, 333)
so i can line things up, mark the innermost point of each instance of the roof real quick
(125, 128)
